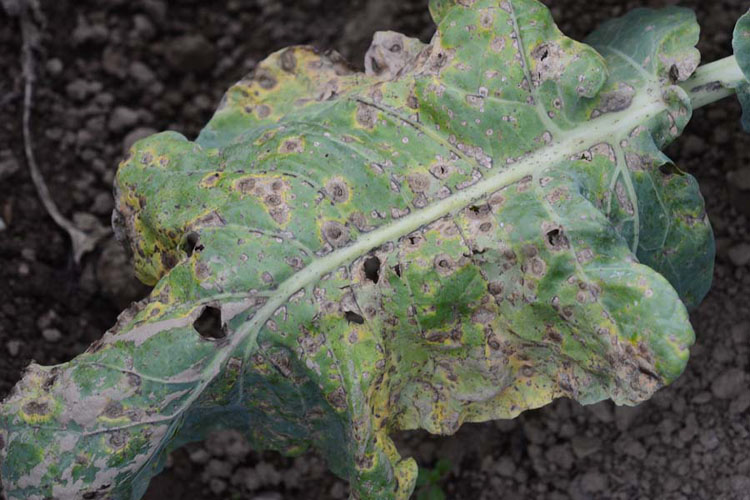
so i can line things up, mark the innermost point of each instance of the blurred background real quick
(113, 71)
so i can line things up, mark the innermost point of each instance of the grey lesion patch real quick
(337, 190)
(265, 79)
(537, 267)
(418, 183)
(550, 63)
(292, 145)
(615, 100)
(637, 163)
(113, 410)
(211, 219)
(36, 408)
(680, 69)
(338, 399)
(444, 264)
(335, 233)
(391, 54)
(366, 115)
(288, 61)
(623, 198)
(441, 170)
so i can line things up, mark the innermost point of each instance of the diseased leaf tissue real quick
(469, 229)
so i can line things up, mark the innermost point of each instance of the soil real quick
(115, 70)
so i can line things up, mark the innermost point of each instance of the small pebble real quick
(52, 335)
(729, 384)
(13, 347)
(594, 482)
(217, 486)
(739, 254)
(740, 403)
(199, 456)
(338, 490)
(54, 66)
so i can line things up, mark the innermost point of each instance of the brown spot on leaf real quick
(36, 408)
(486, 19)
(273, 200)
(292, 146)
(118, 439)
(478, 212)
(441, 170)
(113, 409)
(359, 221)
(246, 185)
(335, 233)
(263, 111)
(636, 162)
(418, 183)
(168, 260)
(538, 267)
(497, 44)
(337, 191)
(338, 399)
(366, 115)
(482, 315)
(265, 79)
(211, 219)
(288, 60)
(202, 270)
(623, 198)
(444, 264)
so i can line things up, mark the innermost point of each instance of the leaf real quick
(473, 228)
(741, 46)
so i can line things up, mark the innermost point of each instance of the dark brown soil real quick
(114, 70)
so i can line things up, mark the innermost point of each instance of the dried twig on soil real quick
(82, 242)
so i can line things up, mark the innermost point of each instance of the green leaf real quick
(741, 43)
(741, 46)
(672, 234)
(472, 228)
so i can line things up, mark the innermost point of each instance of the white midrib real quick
(606, 128)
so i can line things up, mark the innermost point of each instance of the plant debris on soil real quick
(113, 71)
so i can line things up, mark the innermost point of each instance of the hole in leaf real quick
(553, 236)
(372, 269)
(208, 324)
(557, 239)
(353, 317)
(397, 270)
(375, 66)
(192, 244)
